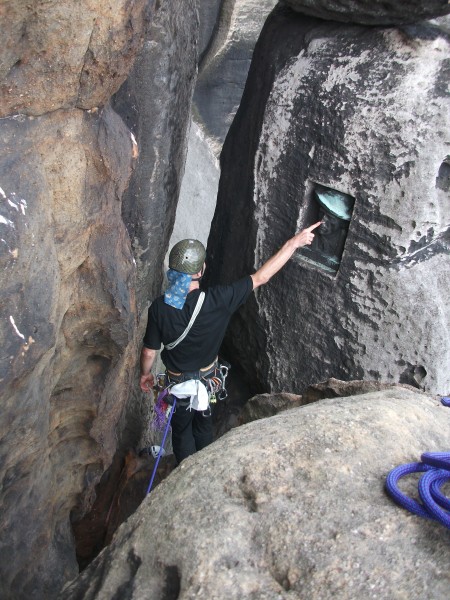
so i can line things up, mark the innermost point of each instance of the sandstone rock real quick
(268, 405)
(228, 32)
(334, 388)
(288, 507)
(371, 12)
(209, 12)
(198, 192)
(118, 496)
(70, 320)
(65, 54)
(224, 67)
(155, 103)
(363, 111)
(68, 326)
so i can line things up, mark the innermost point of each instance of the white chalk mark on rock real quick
(13, 323)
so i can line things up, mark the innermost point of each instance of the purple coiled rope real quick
(436, 468)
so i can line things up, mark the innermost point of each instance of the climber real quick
(190, 353)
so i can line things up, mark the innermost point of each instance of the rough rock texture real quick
(224, 66)
(334, 388)
(268, 405)
(288, 507)
(209, 17)
(364, 111)
(42, 71)
(70, 321)
(198, 192)
(155, 104)
(371, 12)
(228, 33)
(122, 490)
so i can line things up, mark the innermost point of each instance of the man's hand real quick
(278, 260)
(147, 382)
(306, 236)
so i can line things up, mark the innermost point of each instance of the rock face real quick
(371, 12)
(268, 405)
(68, 315)
(71, 300)
(198, 192)
(225, 64)
(228, 33)
(42, 71)
(288, 507)
(155, 104)
(363, 111)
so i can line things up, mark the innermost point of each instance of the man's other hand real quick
(147, 382)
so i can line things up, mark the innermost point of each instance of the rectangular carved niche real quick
(335, 210)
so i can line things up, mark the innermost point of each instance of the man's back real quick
(201, 345)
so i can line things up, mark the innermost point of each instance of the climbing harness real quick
(435, 467)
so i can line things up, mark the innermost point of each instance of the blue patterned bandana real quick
(178, 289)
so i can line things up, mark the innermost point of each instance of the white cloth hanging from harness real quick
(193, 389)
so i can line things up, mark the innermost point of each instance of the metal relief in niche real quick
(335, 210)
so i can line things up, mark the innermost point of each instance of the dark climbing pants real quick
(192, 430)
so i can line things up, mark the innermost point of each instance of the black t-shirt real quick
(201, 346)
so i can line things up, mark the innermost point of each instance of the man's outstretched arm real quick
(278, 260)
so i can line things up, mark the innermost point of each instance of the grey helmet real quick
(187, 256)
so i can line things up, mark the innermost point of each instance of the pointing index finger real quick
(311, 227)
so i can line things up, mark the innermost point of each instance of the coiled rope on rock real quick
(435, 504)
(436, 469)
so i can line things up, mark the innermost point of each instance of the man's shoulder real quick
(241, 282)
(240, 287)
(157, 305)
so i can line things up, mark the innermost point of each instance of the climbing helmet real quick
(187, 256)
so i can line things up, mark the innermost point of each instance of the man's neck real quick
(194, 285)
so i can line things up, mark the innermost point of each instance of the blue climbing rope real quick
(445, 400)
(161, 450)
(435, 505)
(436, 468)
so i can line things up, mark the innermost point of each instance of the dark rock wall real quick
(364, 111)
(371, 12)
(73, 283)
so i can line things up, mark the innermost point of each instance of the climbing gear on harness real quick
(187, 256)
(213, 377)
(224, 374)
(197, 309)
(152, 451)
(161, 447)
(436, 505)
(161, 409)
